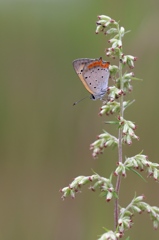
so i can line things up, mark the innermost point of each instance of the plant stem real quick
(120, 151)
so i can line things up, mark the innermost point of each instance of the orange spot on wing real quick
(105, 65)
(99, 63)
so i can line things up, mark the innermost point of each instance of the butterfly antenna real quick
(79, 100)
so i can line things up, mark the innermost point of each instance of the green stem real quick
(120, 151)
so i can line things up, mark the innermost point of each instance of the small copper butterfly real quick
(94, 74)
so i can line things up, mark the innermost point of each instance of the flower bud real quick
(108, 54)
(118, 170)
(130, 132)
(94, 155)
(95, 143)
(120, 221)
(132, 57)
(112, 40)
(122, 31)
(101, 22)
(130, 63)
(135, 164)
(139, 199)
(132, 125)
(103, 17)
(113, 69)
(107, 24)
(99, 28)
(155, 173)
(129, 75)
(111, 31)
(119, 43)
(155, 224)
(128, 140)
(123, 172)
(109, 196)
(72, 193)
(115, 44)
(125, 128)
(137, 209)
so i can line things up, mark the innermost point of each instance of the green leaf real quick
(128, 104)
(133, 170)
(94, 172)
(107, 230)
(112, 122)
(138, 79)
(103, 194)
(111, 176)
(128, 31)
(115, 195)
(114, 146)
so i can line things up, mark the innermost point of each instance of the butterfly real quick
(94, 74)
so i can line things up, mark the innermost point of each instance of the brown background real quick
(44, 141)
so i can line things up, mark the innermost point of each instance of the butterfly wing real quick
(79, 65)
(94, 74)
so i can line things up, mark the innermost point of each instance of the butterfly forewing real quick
(79, 65)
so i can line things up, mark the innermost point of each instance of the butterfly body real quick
(94, 74)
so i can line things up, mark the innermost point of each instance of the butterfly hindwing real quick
(94, 74)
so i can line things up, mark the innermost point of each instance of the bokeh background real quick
(44, 141)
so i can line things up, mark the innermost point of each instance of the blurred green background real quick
(44, 140)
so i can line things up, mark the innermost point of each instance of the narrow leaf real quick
(133, 170)
(112, 122)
